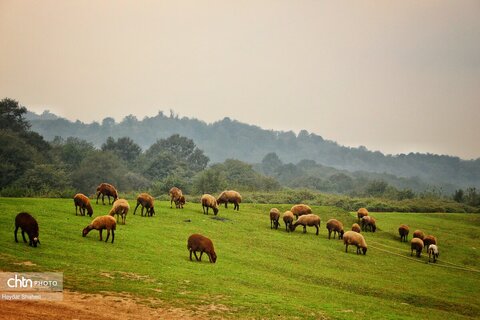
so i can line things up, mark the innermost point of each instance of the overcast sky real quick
(394, 76)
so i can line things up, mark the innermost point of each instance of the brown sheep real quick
(429, 240)
(362, 212)
(369, 224)
(197, 242)
(403, 230)
(82, 201)
(230, 196)
(146, 201)
(209, 201)
(175, 196)
(100, 223)
(120, 208)
(300, 210)
(274, 217)
(433, 252)
(356, 228)
(335, 226)
(355, 239)
(288, 219)
(29, 225)
(419, 234)
(417, 245)
(106, 189)
(310, 220)
(181, 201)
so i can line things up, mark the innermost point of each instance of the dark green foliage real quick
(16, 156)
(100, 167)
(231, 139)
(12, 116)
(124, 147)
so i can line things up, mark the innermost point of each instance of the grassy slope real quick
(259, 272)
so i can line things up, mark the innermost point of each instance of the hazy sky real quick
(395, 76)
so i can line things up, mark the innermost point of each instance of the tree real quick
(74, 150)
(209, 181)
(45, 177)
(376, 188)
(16, 156)
(458, 196)
(11, 116)
(99, 167)
(270, 163)
(124, 147)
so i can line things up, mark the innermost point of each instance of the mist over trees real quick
(65, 165)
(228, 139)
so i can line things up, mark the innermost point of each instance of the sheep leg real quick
(195, 254)
(101, 231)
(346, 247)
(75, 209)
(201, 253)
(15, 233)
(113, 235)
(329, 233)
(134, 211)
(108, 235)
(98, 196)
(317, 229)
(23, 235)
(304, 229)
(103, 199)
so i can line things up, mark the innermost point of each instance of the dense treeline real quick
(227, 139)
(30, 166)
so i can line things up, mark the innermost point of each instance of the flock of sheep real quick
(298, 215)
(304, 217)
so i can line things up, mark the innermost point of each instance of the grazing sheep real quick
(417, 245)
(209, 201)
(106, 189)
(433, 252)
(274, 217)
(419, 234)
(120, 208)
(230, 196)
(300, 210)
(29, 225)
(288, 219)
(82, 201)
(429, 240)
(335, 226)
(369, 224)
(356, 228)
(355, 239)
(197, 242)
(181, 201)
(310, 220)
(175, 195)
(146, 201)
(100, 223)
(403, 230)
(362, 212)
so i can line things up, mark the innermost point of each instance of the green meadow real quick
(260, 273)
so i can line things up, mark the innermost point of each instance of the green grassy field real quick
(260, 273)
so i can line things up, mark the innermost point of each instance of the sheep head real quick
(86, 230)
(364, 250)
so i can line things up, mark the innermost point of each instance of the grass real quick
(260, 273)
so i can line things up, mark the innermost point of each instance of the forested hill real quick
(232, 139)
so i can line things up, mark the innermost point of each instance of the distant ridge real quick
(228, 138)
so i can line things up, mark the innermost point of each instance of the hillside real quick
(232, 139)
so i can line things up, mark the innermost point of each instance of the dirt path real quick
(91, 306)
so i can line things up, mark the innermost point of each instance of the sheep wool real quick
(355, 239)
(230, 196)
(209, 201)
(100, 223)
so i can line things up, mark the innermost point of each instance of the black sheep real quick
(29, 225)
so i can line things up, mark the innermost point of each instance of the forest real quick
(34, 162)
